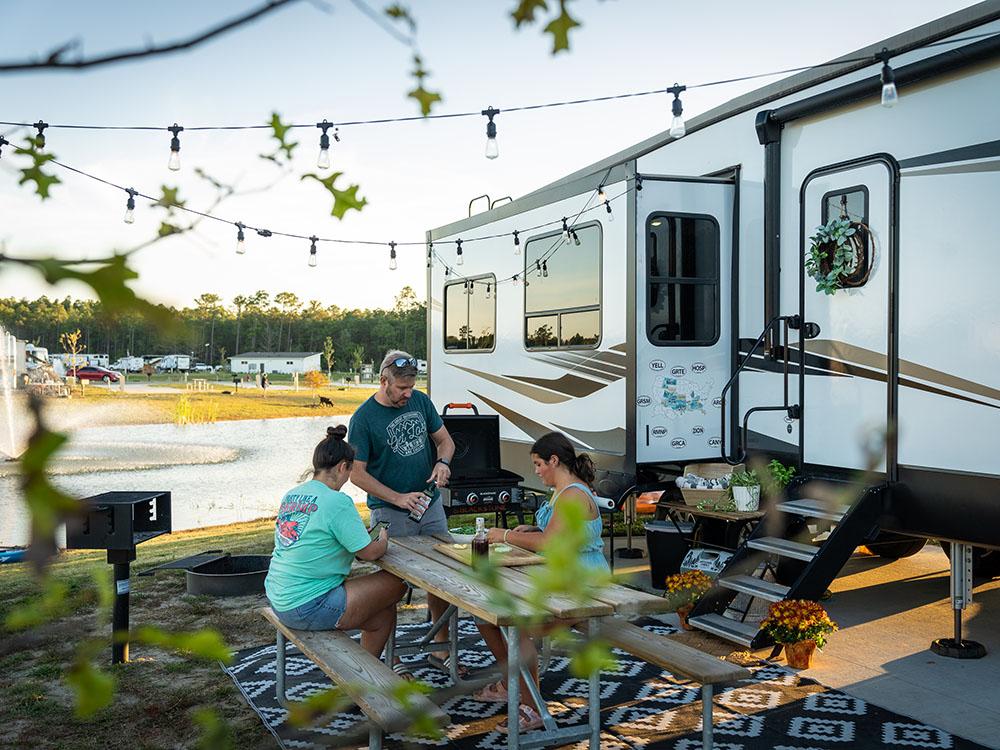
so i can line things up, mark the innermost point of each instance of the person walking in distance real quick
(397, 433)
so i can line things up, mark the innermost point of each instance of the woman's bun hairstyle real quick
(333, 449)
(557, 444)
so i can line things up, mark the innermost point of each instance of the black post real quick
(120, 559)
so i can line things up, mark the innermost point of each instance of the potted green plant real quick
(800, 626)
(746, 490)
(837, 255)
(778, 477)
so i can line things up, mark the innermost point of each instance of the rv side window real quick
(682, 261)
(470, 314)
(562, 290)
(851, 203)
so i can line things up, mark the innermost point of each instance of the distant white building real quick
(284, 362)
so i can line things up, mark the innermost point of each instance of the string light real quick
(575, 236)
(492, 150)
(489, 290)
(3, 142)
(889, 94)
(517, 243)
(264, 232)
(323, 162)
(545, 270)
(312, 251)
(447, 272)
(470, 287)
(638, 182)
(459, 260)
(515, 279)
(241, 242)
(430, 255)
(677, 123)
(602, 197)
(130, 206)
(538, 268)
(40, 138)
(611, 215)
(565, 230)
(174, 162)
(392, 256)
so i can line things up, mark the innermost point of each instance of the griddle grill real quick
(478, 483)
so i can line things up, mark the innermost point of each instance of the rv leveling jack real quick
(961, 595)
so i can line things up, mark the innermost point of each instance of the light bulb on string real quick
(447, 272)
(174, 162)
(430, 255)
(545, 270)
(515, 280)
(489, 291)
(130, 206)
(565, 230)
(517, 243)
(575, 236)
(392, 256)
(472, 288)
(638, 182)
(677, 129)
(312, 251)
(323, 162)
(538, 268)
(40, 138)
(611, 214)
(241, 241)
(889, 94)
(459, 260)
(602, 197)
(3, 142)
(492, 150)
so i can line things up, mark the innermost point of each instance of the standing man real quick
(393, 432)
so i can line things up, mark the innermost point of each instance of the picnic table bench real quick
(369, 681)
(415, 560)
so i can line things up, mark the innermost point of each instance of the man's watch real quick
(444, 461)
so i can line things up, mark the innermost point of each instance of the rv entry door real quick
(846, 394)
(683, 301)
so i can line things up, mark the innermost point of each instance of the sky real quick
(324, 59)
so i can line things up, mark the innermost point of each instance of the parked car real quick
(202, 367)
(92, 372)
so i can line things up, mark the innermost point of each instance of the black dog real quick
(324, 401)
(226, 393)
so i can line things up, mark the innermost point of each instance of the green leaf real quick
(559, 27)
(94, 689)
(166, 229)
(593, 656)
(343, 200)
(203, 644)
(425, 98)
(35, 173)
(215, 733)
(525, 11)
(398, 13)
(50, 604)
(279, 131)
(168, 198)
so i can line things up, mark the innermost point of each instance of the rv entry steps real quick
(812, 509)
(772, 592)
(784, 547)
(731, 630)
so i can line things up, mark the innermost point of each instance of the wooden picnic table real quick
(415, 560)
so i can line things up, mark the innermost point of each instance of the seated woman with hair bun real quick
(317, 535)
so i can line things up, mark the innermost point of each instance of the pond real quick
(217, 473)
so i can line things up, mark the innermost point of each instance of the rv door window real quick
(469, 315)
(682, 260)
(562, 301)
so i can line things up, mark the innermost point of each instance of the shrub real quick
(315, 379)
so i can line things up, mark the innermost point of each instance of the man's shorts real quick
(400, 524)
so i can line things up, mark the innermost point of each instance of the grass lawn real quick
(209, 406)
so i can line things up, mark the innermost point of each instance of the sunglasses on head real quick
(404, 361)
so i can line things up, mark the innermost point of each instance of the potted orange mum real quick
(800, 626)
(684, 590)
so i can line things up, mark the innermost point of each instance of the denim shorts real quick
(322, 613)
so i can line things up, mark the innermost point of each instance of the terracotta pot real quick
(682, 615)
(799, 655)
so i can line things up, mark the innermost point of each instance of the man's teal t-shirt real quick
(316, 535)
(395, 443)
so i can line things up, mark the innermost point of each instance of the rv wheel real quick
(985, 562)
(895, 546)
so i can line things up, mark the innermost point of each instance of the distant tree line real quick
(213, 330)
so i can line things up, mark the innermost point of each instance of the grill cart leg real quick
(961, 595)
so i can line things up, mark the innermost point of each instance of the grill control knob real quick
(472, 498)
(504, 497)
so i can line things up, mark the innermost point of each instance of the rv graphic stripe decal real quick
(577, 368)
(965, 153)
(606, 441)
(571, 385)
(577, 359)
(968, 168)
(534, 393)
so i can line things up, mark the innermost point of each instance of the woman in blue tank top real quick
(569, 475)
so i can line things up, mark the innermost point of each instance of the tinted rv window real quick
(562, 301)
(469, 315)
(682, 262)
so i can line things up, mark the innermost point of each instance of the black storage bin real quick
(667, 544)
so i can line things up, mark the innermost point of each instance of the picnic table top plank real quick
(517, 581)
(343, 660)
(435, 577)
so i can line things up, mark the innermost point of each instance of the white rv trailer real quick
(627, 343)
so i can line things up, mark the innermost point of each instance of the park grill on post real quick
(116, 522)
(478, 483)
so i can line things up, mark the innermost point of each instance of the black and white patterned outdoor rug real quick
(642, 706)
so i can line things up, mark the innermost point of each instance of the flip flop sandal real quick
(527, 720)
(402, 670)
(445, 665)
(495, 692)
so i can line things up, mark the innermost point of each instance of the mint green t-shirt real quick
(395, 443)
(316, 535)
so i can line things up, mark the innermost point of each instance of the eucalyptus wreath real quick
(834, 254)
